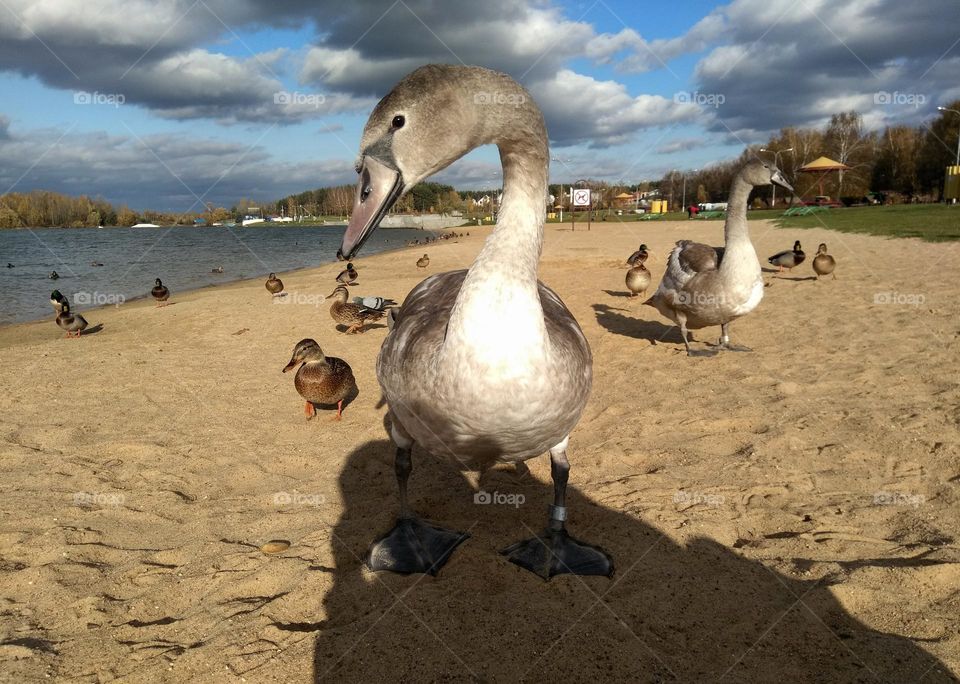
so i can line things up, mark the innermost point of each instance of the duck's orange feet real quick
(339, 411)
(309, 411)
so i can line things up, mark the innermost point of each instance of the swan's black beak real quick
(778, 178)
(379, 187)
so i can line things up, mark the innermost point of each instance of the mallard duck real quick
(53, 275)
(486, 364)
(348, 275)
(423, 261)
(72, 323)
(638, 257)
(374, 303)
(57, 301)
(218, 269)
(788, 259)
(638, 279)
(703, 285)
(274, 285)
(324, 380)
(351, 315)
(823, 263)
(95, 264)
(160, 293)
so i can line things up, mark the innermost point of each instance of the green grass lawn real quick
(931, 222)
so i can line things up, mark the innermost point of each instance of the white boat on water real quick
(251, 221)
(146, 225)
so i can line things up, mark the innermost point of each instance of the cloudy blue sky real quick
(161, 103)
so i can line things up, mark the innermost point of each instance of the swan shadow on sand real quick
(628, 325)
(693, 612)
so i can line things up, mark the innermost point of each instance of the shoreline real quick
(146, 296)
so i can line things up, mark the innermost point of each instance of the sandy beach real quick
(789, 514)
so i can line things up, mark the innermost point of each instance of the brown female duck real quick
(354, 316)
(274, 285)
(823, 263)
(323, 380)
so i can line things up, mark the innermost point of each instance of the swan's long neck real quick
(498, 313)
(739, 251)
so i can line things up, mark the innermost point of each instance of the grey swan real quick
(705, 286)
(485, 364)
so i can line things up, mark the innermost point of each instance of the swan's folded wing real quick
(696, 257)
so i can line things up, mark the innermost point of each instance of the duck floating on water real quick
(788, 259)
(823, 263)
(484, 364)
(53, 275)
(351, 315)
(218, 269)
(323, 380)
(160, 292)
(705, 286)
(274, 285)
(348, 276)
(71, 322)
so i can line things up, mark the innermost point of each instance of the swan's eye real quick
(398, 121)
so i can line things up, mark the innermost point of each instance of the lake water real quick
(133, 257)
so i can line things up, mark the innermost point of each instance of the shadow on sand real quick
(699, 612)
(628, 325)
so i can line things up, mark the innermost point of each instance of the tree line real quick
(898, 164)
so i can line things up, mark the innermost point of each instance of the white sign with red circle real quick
(581, 197)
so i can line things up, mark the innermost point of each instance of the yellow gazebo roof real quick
(825, 164)
(624, 195)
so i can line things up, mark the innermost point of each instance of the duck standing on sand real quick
(72, 323)
(823, 263)
(423, 261)
(160, 293)
(638, 257)
(703, 285)
(53, 275)
(638, 279)
(57, 301)
(323, 380)
(274, 285)
(789, 258)
(348, 276)
(484, 364)
(351, 315)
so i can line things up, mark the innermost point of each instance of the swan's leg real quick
(687, 337)
(412, 545)
(725, 340)
(555, 552)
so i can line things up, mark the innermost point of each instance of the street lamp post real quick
(564, 162)
(776, 160)
(683, 204)
(944, 109)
